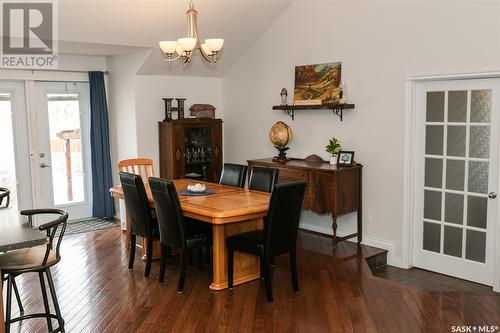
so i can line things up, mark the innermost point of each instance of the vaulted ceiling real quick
(110, 27)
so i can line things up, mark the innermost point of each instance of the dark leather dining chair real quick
(175, 231)
(142, 222)
(263, 179)
(278, 237)
(233, 175)
(38, 259)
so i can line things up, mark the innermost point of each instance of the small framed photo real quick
(345, 158)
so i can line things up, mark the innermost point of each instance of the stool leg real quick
(8, 310)
(45, 300)
(18, 298)
(60, 319)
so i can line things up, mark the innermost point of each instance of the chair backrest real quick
(136, 201)
(263, 179)
(168, 212)
(233, 175)
(282, 221)
(139, 166)
(51, 228)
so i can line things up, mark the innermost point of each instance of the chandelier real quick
(184, 47)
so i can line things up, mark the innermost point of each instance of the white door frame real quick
(409, 167)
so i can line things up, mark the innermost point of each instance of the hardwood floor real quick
(97, 293)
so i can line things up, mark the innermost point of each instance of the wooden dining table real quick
(15, 236)
(230, 210)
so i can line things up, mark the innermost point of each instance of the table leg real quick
(246, 267)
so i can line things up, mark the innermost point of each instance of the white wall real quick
(151, 108)
(121, 105)
(379, 44)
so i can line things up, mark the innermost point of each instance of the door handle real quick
(43, 165)
(492, 195)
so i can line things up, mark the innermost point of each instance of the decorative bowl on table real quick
(197, 188)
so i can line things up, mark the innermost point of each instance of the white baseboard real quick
(367, 240)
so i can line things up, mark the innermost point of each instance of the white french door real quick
(456, 177)
(15, 172)
(63, 140)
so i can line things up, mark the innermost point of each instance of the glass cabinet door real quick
(198, 153)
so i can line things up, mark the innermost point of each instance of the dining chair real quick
(263, 179)
(233, 175)
(142, 222)
(4, 194)
(139, 166)
(38, 259)
(278, 237)
(175, 231)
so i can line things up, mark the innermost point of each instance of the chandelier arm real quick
(170, 59)
(205, 56)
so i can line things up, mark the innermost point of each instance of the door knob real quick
(43, 165)
(492, 195)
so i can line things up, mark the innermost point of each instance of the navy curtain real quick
(102, 180)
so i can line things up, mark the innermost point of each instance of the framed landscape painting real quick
(317, 84)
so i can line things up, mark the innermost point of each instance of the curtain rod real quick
(48, 70)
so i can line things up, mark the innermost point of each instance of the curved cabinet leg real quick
(334, 227)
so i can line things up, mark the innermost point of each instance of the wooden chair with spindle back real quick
(139, 166)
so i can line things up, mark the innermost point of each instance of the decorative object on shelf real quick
(338, 109)
(317, 84)
(345, 158)
(280, 135)
(184, 47)
(313, 159)
(333, 147)
(343, 92)
(284, 96)
(169, 108)
(202, 111)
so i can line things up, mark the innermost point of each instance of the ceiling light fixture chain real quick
(185, 47)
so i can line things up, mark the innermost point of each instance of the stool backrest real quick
(51, 228)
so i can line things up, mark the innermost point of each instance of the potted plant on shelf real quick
(333, 148)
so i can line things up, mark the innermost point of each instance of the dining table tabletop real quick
(230, 210)
(14, 236)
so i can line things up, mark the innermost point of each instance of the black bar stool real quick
(36, 259)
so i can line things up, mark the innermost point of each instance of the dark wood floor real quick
(338, 294)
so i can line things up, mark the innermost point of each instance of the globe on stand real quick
(280, 135)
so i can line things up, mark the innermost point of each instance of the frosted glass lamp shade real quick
(187, 44)
(168, 47)
(214, 44)
(206, 50)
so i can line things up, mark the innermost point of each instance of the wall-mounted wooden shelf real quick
(338, 109)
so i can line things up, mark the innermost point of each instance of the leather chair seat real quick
(26, 259)
(249, 242)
